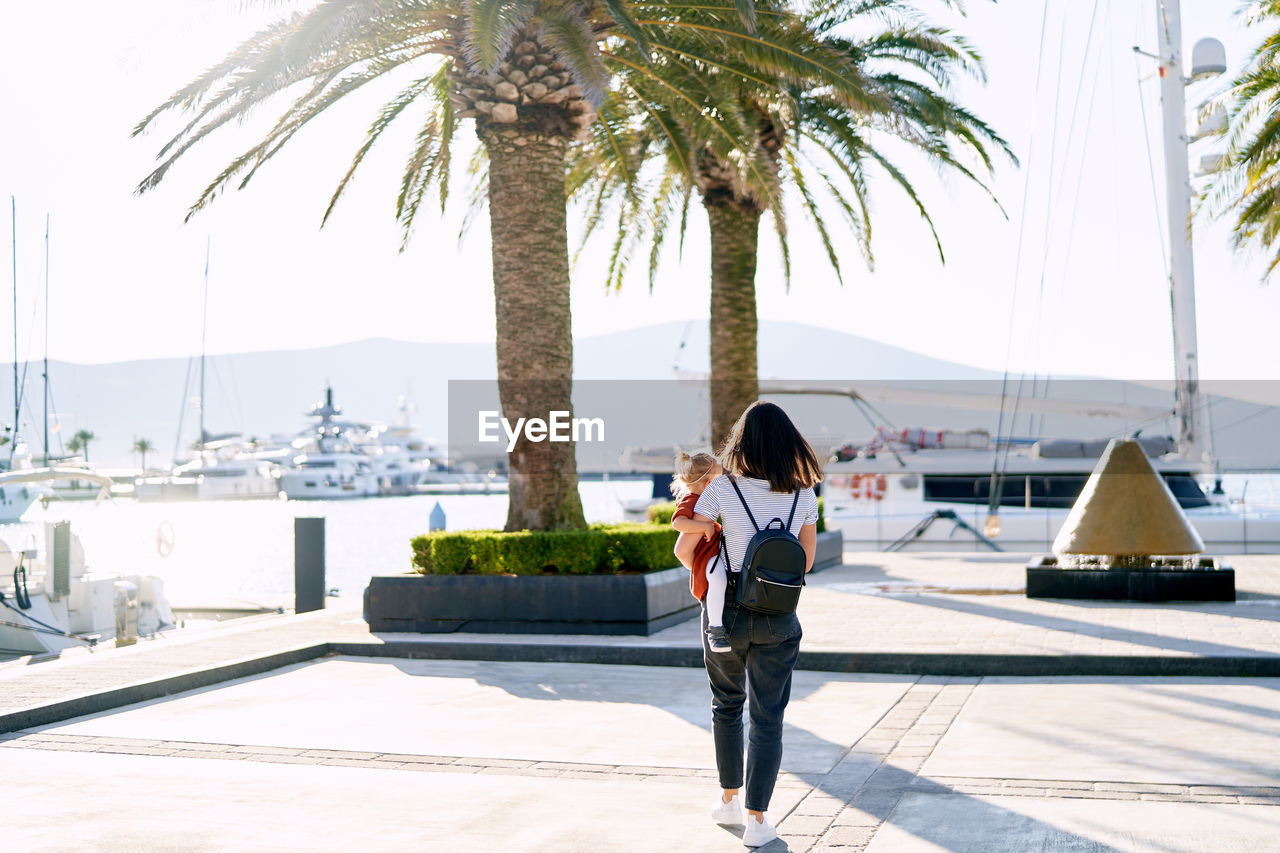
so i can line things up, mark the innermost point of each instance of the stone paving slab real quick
(994, 824)
(880, 793)
(1174, 730)
(588, 715)
(143, 803)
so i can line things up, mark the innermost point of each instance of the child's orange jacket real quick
(703, 553)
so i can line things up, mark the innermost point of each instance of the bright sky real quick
(126, 274)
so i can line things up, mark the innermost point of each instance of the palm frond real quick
(491, 25)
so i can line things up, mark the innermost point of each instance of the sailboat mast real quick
(13, 439)
(46, 340)
(1182, 297)
(204, 328)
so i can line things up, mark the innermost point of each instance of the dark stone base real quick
(830, 550)
(543, 604)
(1212, 581)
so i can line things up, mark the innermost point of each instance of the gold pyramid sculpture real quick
(1125, 509)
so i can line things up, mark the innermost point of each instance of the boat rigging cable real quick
(1075, 205)
(1017, 261)
(1000, 460)
(996, 485)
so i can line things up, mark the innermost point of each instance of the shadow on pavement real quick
(1073, 626)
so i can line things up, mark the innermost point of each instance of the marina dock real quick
(931, 705)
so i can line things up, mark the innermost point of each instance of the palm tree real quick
(530, 74)
(142, 447)
(80, 441)
(1246, 182)
(808, 139)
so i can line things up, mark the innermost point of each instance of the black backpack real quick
(773, 565)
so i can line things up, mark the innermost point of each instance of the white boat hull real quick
(315, 485)
(1224, 529)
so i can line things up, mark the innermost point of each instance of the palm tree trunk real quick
(734, 380)
(530, 246)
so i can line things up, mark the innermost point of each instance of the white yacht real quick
(17, 492)
(229, 472)
(50, 599)
(339, 457)
(401, 459)
(327, 474)
(225, 468)
(326, 464)
(937, 495)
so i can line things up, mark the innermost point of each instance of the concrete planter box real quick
(530, 604)
(830, 550)
(1211, 580)
(543, 604)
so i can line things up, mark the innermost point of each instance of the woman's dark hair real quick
(764, 444)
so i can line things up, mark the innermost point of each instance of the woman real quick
(769, 461)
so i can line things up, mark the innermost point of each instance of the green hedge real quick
(660, 513)
(604, 548)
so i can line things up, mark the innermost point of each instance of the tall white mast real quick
(1182, 286)
(204, 329)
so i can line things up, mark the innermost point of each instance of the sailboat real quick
(224, 467)
(941, 489)
(50, 598)
(22, 482)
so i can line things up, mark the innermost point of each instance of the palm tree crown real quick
(1246, 183)
(531, 75)
(807, 140)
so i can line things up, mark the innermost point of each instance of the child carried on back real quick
(698, 547)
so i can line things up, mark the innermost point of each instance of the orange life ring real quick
(869, 487)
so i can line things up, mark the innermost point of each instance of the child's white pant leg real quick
(717, 582)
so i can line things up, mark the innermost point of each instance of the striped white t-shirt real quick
(720, 501)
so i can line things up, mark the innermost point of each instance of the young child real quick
(699, 544)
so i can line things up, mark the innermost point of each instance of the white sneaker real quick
(729, 813)
(758, 833)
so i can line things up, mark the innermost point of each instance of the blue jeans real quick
(764, 654)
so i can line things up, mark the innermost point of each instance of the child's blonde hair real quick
(689, 470)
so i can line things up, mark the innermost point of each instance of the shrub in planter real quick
(660, 513)
(444, 553)
(640, 547)
(601, 548)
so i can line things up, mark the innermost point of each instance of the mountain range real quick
(259, 394)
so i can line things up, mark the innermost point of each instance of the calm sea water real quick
(244, 549)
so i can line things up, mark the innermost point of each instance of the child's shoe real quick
(729, 813)
(718, 640)
(758, 833)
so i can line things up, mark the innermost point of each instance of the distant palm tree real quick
(81, 442)
(142, 447)
(1246, 181)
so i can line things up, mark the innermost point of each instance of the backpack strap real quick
(794, 501)
(734, 483)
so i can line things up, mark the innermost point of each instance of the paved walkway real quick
(904, 603)
(382, 753)
(372, 754)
